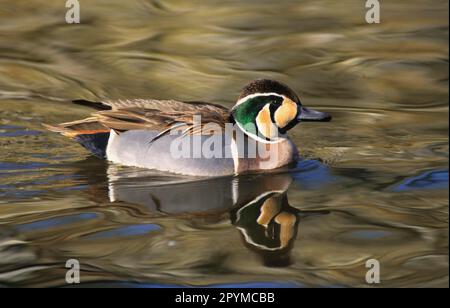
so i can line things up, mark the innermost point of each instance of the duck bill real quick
(310, 115)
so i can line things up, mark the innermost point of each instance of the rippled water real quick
(374, 185)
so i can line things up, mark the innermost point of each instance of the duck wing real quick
(151, 114)
(141, 114)
(161, 115)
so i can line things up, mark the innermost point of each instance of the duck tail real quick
(91, 134)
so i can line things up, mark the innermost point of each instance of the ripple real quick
(379, 170)
(55, 222)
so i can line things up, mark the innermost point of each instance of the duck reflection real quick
(258, 204)
(181, 195)
(269, 226)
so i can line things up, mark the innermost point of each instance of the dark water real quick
(374, 182)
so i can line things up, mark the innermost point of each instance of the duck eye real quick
(275, 102)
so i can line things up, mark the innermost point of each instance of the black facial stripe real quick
(273, 108)
(275, 103)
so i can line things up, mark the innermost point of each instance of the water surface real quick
(374, 182)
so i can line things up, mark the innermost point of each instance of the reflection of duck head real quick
(269, 226)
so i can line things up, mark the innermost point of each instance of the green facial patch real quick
(245, 113)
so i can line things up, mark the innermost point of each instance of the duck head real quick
(267, 109)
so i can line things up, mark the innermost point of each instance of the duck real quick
(196, 138)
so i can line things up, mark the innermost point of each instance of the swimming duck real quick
(196, 138)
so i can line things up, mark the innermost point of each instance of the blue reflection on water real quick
(22, 166)
(21, 194)
(10, 127)
(56, 222)
(20, 133)
(312, 174)
(17, 190)
(126, 231)
(17, 131)
(370, 234)
(434, 179)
